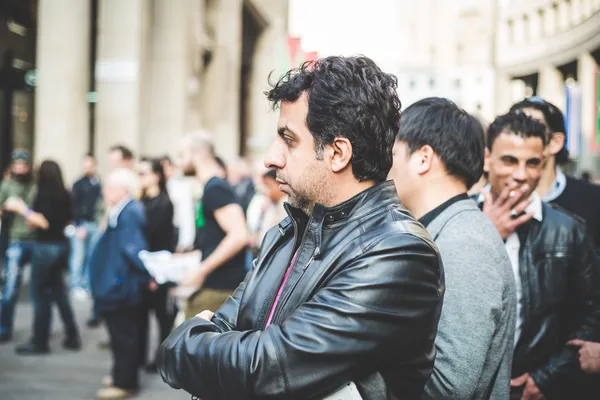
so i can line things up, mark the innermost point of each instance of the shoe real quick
(31, 349)
(114, 393)
(94, 322)
(5, 337)
(72, 343)
(151, 368)
(107, 381)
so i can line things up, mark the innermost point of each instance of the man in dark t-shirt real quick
(221, 235)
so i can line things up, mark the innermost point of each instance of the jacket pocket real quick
(551, 280)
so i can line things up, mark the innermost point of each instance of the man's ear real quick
(486, 161)
(341, 154)
(424, 159)
(557, 142)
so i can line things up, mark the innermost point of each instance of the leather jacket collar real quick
(377, 196)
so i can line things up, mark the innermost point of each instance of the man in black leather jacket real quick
(348, 288)
(557, 274)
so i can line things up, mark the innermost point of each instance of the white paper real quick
(348, 392)
(165, 266)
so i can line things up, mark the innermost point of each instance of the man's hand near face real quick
(506, 212)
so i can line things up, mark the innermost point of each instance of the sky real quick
(346, 27)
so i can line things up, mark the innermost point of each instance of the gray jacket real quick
(476, 330)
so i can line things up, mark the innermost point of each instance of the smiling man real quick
(553, 260)
(346, 293)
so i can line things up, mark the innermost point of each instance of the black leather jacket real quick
(560, 278)
(361, 304)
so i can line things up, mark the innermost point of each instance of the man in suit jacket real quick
(117, 279)
(438, 156)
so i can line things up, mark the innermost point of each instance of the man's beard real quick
(189, 170)
(22, 178)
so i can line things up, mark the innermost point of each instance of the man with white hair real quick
(117, 278)
(221, 233)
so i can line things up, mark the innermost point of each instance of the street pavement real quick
(63, 374)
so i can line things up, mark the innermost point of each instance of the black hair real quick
(554, 119)
(50, 180)
(157, 168)
(454, 135)
(515, 124)
(126, 154)
(221, 163)
(166, 159)
(348, 97)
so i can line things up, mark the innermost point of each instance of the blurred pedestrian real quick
(240, 178)
(86, 195)
(221, 233)
(50, 214)
(21, 237)
(160, 234)
(118, 278)
(181, 195)
(120, 156)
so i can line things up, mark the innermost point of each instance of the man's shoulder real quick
(577, 186)
(134, 210)
(469, 238)
(555, 216)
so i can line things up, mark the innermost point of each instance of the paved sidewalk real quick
(65, 375)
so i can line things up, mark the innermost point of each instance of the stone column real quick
(62, 109)
(551, 86)
(221, 91)
(587, 75)
(271, 48)
(168, 77)
(120, 72)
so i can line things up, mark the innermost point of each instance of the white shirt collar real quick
(114, 212)
(558, 186)
(535, 207)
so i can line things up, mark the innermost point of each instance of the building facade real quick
(444, 50)
(552, 49)
(143, 72)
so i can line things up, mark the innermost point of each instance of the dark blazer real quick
(117, 273)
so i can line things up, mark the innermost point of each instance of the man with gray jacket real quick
(438, 156)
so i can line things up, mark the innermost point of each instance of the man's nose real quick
(274, 158)
(520, 174)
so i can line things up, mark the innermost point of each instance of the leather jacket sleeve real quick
(225, 319)
(586, 286)
(376, 310)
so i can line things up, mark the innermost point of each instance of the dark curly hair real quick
(348, 97)
(515, 124)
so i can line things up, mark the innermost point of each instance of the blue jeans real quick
(80, 255)
(18, 254)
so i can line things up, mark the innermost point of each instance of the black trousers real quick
(165, 311)
(124, 327)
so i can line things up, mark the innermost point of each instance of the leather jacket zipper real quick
(273, 293)
(285, 300)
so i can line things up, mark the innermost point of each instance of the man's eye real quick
(287, 139)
